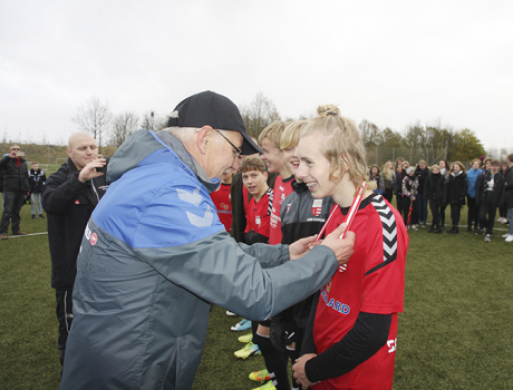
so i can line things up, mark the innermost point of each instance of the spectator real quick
(421, 172)
(489, 196)
(410, 191)
(434, 192)
(456, 190)
(473, 208)
(15, 182)
(375, 176)
(400, 174)
(388, 181)
(155, 254)
(508, 197)
(444, 171)
(503, 210)
(37, 180)
(69, 198)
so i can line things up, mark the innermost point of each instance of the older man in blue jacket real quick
(154, 254)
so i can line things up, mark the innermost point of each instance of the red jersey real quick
(373, 283)
(223, 202)
(258, 216)
(281, 190)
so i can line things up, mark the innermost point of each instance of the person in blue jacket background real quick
(473, 207)
(154, 256)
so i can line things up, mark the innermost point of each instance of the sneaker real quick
(479, 232)
(249, 350)
(20, 233)
(33, 216)
(488, 238)
(230, 313)
(268, 386)
(240, 326)
(4, 237)
(246, 338)
(41, 216)
(509, 238)
(423, 225)
(260, 376)
(505, 235)
(414, 228)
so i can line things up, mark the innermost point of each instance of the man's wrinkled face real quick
(223, 156)
(82, 150)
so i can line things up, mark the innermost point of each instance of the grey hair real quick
(186, 134)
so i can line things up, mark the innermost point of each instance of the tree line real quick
(430, 142)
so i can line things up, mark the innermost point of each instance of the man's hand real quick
(89, 171)
(343, 249)
(302, 246)
(299, 370)
(13, 153)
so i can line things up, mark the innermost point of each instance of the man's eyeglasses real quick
(15, 148)
(238, 151)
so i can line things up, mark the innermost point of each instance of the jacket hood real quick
(143, 143)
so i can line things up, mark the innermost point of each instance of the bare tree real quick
(124, 125)
(152, 121)
(260, 113)
(94, 117)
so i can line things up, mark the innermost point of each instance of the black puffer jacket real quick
(422, 175)
(496, 195)
(434, 188)
(457, 189)
(508, 189)
(68, 204)
(14, 178)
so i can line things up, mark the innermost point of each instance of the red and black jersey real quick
(222, 200)
(373, 282)
(258, 216)
(281, 190)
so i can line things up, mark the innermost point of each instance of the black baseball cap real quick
(211, 109)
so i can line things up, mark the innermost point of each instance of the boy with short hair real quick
(254, 178)
(37, 180)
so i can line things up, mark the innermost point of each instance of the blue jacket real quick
(154, 254)
(472, 175)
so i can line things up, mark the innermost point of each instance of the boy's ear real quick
(266, 175)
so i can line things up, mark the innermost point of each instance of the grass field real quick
(455, 332)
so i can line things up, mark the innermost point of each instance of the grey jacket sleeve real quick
(219, 270)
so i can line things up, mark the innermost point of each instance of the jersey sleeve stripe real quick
(389, 226)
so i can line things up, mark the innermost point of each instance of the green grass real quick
(455, 332)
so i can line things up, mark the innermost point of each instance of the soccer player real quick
(350, 340)
(254, 178)
(222, 200)
(269, 140)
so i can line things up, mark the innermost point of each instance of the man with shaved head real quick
(69, 198)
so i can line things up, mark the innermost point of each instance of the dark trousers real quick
(442, 214)
(422, 203)
(65, 318)
(435, 211)
(414, 211)
(488, 212)
(455, 214)
(388, 194)
(12, 206)
(473, 212)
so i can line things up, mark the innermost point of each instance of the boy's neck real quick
(259, 196)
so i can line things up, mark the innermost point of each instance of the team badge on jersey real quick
(317, 207)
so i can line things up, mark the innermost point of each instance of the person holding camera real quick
(69, 198)
(14, 171)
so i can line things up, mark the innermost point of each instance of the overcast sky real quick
(391, 62)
